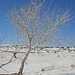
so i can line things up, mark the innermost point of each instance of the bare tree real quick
(37, 24)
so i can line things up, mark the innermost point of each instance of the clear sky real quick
(6, 30)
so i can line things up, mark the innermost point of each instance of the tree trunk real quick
(24, 59)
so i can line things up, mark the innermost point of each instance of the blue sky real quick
(5, 28)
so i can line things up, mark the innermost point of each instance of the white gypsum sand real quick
(48, 61)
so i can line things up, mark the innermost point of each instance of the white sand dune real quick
(49, 61)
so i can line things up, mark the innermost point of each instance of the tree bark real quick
(24, 59)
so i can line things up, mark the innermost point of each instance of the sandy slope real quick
(42, 62)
